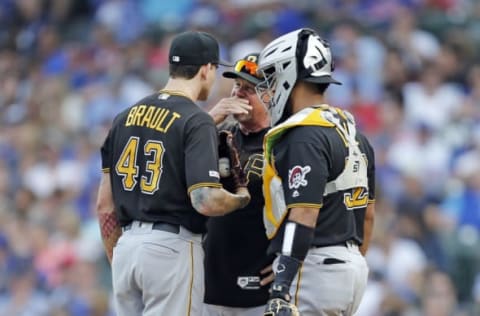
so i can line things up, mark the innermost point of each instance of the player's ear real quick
(204, 69)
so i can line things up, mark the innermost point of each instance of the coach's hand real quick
(231, 173)
(227, 106)
(280, 307)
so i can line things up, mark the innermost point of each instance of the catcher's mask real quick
(298, 55)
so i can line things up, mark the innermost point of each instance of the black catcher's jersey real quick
(236, 244)
(156, 152)
(307, 157)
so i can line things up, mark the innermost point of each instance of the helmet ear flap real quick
(301, 50)
(304, 37)
(314, 59)
(327, 45)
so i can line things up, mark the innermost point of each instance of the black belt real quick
(166, 227)
(346, 243)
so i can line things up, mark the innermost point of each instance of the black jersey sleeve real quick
(106, 153)
(303, 168)
(201, 153)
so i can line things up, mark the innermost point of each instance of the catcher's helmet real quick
(298, 55)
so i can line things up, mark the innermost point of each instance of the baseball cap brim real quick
(322, 79)
(225, 63)
(234, 75)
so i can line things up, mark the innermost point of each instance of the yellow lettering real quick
(153, 121)
(148, 116)
(175, 116)
(161, 119)
(357, 199)
(139, 114)
(254, 166)
(131, 115)
(152, 117)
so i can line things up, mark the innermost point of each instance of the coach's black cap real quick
(245, 68)
(194, 48)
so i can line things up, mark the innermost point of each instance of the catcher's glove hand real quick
(231, 173)
(280, 307)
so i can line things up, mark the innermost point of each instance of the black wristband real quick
(285, 272)
(297, 239)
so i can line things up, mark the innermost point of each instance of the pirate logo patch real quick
(296, 177)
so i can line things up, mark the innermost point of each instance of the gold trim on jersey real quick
(192, 277)
(204, 184)
(307, 205)
(177, 93)
(106, 170)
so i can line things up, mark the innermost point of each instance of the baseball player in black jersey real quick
(160, 181)
(318, 182)
(237, 268)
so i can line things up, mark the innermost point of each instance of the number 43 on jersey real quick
(127, 167)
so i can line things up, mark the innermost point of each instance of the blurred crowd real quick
(411, 75)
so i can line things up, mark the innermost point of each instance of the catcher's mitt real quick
(279, 307)
(231, 173)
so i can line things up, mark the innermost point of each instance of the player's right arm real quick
(109, 226)
(206, 193)
(211, 201)
(227, 106)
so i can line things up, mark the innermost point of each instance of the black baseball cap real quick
(194, 48)
(245, 68)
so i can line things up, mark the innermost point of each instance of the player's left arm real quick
(299, 233)
(303, 167)
(369, 219)
(306, 216)
(368, 227)
(109, 225)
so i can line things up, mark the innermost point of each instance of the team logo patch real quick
(214, 174)
(248, 282)
(163, 96)
(296, 177)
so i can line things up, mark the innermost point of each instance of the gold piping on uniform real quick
(308, 205)
(204, 184)
(299, 278)
(189, 310)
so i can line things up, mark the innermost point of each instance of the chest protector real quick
(353, 175)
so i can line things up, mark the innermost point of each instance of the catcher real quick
(318, 182)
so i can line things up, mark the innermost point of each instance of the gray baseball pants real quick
(217, 310)
(331, 281)
(158, 273)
